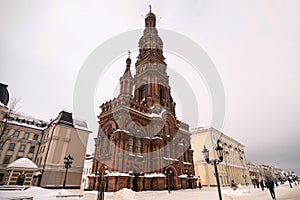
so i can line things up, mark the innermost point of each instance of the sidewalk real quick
(293, 195)
(283, 192)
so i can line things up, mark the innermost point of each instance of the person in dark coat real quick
(270, 185)
(262, 185)
(290, 181)
(257, 183)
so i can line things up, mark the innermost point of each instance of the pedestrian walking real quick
(270, 184)
(199, 184)
(254, 183)
(290, 181)
(262, 185)
(257, 183)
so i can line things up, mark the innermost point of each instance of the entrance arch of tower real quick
(173, 177)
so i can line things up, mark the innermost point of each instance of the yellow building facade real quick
(234, 166)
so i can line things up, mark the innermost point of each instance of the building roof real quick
(26, 121)
(22, 163)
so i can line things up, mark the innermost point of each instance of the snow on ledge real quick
(119, 130)
(154, 175)
(183, 176)
(117, 174)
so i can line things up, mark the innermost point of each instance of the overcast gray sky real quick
(254, 45)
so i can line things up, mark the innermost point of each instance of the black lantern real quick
(68, 160)
(219, 151)
(205, 154)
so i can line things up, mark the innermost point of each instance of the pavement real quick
(294, 194)
(283, 192)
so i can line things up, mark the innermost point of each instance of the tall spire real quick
(150, 44)
(151, 82)
(127, 72)
(126, 81)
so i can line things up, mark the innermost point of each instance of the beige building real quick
(21, 136)
(234, 165)
(44, 143)
(62, 137)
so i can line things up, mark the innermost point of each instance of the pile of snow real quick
(64, 193)
(236, 192)
(23, 163)
(124, 194)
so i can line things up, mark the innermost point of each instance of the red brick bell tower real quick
(140, 139)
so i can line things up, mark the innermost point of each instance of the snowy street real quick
(283, 192)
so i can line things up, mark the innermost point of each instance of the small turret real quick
(126, 81)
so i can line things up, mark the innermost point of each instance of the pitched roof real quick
(22, 163)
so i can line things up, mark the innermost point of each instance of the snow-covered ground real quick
(206, 193)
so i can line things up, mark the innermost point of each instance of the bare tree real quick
(12, 110)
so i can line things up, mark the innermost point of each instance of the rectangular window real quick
(5, 132)
(35, 137)
(16, 134)
(31, 150)
(11, 146)
(6, 160)
(26, 136)
(22, 148)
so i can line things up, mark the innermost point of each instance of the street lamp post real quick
(245, 177)
(101, 182)
(168, 173)
(215, 162)
(68, 160)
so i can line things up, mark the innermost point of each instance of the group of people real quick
(269, 183)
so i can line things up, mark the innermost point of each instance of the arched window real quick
(138, 145)
(185, 152)
(168, 151)
(130, 143)
(142, 92)
(161, 93)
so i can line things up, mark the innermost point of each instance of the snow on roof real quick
(22, 163)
